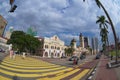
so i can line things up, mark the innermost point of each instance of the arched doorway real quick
(46, 54)
(58, 54)
(52, 55)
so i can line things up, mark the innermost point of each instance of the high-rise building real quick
(81, 38)
(86, 42)
(3, 24)
(95, 45)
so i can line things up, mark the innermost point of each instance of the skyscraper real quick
(95, 45)
(81, 38)
(86, 42)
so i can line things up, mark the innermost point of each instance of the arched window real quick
(46, 46)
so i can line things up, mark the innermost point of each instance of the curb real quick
(91, 73)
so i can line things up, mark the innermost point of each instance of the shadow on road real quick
(15, 78)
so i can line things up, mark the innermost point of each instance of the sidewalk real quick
(103, 73)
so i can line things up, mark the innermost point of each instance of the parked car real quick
(98, 56)
(82, 56)
(73, 57)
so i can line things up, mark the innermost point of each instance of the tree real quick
(32, 43)
(69, 51)
(89, 48)
(17, 40)
(23, 41)
(104, 38)
(100, 5)
(103, 31)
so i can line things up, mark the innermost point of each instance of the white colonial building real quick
(53, 47)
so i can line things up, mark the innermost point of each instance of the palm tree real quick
(104, 37)
(100, 5)
(103, 30)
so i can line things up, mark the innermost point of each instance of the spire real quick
(73, 40)
(80, 34)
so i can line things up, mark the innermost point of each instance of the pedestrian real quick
(76, 61)
(24, 55)
(14, 54)
(11, 53)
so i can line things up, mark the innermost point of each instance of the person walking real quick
(14, 54)
(24, 55)
(11, 53)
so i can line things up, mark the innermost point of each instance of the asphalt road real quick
(66, 62)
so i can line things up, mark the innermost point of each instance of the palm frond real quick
(83, 0)
(107, 21)
(100, 26)
(106, 25)
(98, 3)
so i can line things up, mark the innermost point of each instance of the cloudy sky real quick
(65, 18)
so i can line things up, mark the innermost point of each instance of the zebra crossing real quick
(36, 69)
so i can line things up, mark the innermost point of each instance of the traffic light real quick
(13, 8)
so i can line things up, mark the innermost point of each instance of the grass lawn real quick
(113, 53)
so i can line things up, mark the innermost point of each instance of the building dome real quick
(11, 29)
(73, 40)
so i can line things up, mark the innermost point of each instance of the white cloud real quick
(113, 8)
(59, 16)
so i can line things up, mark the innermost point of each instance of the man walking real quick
(11, 53)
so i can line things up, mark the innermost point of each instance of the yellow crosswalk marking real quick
(23, 70)
(33, 68)
(29, 67)
(4, 78)
(19, 74)
(60, 73)
(29, 63)
(20, 60)
(32, 75)
(58, 77)
(56, 72)
(79, 76)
